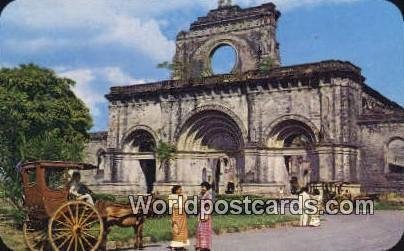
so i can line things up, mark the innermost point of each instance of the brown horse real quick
(122, 215)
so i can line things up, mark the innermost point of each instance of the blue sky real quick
(102, 43)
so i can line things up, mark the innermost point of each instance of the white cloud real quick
(135, 24)
(85, 88)
(95, 22)
(97, 13)
(5, 65)
(36, 44)
(92, 84)
(144, 36)
(117, 76)
(286, 5)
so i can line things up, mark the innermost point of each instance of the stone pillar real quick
(270, 167)
(166, 105)
(347, 166)
(253, 119)
(160, 172)
(108, 167)
(339, 165)
(251, 170)
(326, 163)
(115, 164)
(265, 175)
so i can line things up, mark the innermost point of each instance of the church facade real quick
(262, 128)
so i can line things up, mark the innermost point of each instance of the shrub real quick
(104, 197)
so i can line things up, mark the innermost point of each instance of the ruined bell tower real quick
(251, 32)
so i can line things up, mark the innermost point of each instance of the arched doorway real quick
(395, 156)
(101, 162)
(295, 142)
(218, 138)
(140, 146)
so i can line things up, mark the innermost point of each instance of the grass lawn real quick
(9, 232)
(159, 229)
(382, 205)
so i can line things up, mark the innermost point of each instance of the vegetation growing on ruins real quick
(176, 69)
(266, 64)
(165, 152)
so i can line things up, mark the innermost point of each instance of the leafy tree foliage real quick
(165, 152)
(40, 118)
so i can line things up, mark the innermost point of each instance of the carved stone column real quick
(253, 119)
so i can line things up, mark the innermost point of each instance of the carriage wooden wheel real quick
(76, 225)
(35, 235)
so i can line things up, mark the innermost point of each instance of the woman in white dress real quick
(315, 219)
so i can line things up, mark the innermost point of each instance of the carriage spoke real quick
(76, 226)
(88, 225)
(34, 238)
(87, 241)
(63, 229)
(87, 218)
(82, 214)
(76, 242)
(68, 220)
(62, 223)
(91, 230)
(77, 213)
(89, 235)
(61, 236)
(71, 215)
(81, 243)
(70, 243)
(64, 242)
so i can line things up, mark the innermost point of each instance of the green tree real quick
(40, 118)
(165, 153)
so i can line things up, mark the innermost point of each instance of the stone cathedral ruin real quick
(256, 129)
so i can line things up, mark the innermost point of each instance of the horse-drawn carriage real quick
(54, 221)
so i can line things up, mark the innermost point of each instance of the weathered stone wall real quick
(314, 122)
(251, 31)
(95, 153)
(347, 148)
(374, 173)
(324, 109)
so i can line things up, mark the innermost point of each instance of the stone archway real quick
(211, 108)
(101, 163)
(139, 161)
(293, 143)
(212, 137)
(271, 128)
(394, 156)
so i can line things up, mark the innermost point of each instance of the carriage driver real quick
(78, 190)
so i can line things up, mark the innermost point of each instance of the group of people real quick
(179, 221)
(180, 234)
(310, 219)
(180, 237)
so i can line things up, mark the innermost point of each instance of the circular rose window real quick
(223, 59)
